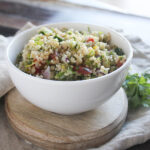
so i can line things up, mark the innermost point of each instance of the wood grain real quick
(15, 15)
(53, 131)
(10, 141)
(23, 10)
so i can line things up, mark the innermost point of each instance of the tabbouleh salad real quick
(68, 54)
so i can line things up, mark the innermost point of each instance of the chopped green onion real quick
(59, 38)
(37, 38)
(29, 63)
(28, 55)
(69, 32)
(92, 52)
(59, 76)
(100, 33)
(38, 41)
(45, 31)
(89, 30)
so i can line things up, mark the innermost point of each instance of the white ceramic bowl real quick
(67, 97)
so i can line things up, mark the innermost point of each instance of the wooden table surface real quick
(14, 15)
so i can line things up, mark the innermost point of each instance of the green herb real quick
(69, 32)
(48, 62)
(137, 88)
(81, 32)
(59, 76)
(42, 32)
(100, 33)
(19, 58)
(28, 55)
(119, 51)
(59, 38)
(146, 75)
(77, 46)
(37, 38)
(112, 68)
(45, 31)
(120, 57)
(105, 61)
(29, 63)
(91, 52)
(89, 30)
(74, 38)
(38, 42)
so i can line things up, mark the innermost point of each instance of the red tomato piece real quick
(52, 56)
(37, 71)
(35, 60)
(84, 70)
(119, 63)
(90, 40)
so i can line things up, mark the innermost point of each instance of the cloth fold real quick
(136, 130)
(5, 81)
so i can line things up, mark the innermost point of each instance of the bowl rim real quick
(129, 58)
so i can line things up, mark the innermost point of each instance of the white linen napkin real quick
(136, 130)
(5, 81)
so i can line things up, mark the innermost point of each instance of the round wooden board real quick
(57, 132)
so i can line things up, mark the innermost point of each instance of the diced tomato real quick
(119, 63)
(90, 40)
(74, 68)
(52, 56)
(37, 70)
(84, 70)
(35, 60)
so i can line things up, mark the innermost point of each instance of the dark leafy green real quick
(119, 51)
(137, 88)
(146, 75)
